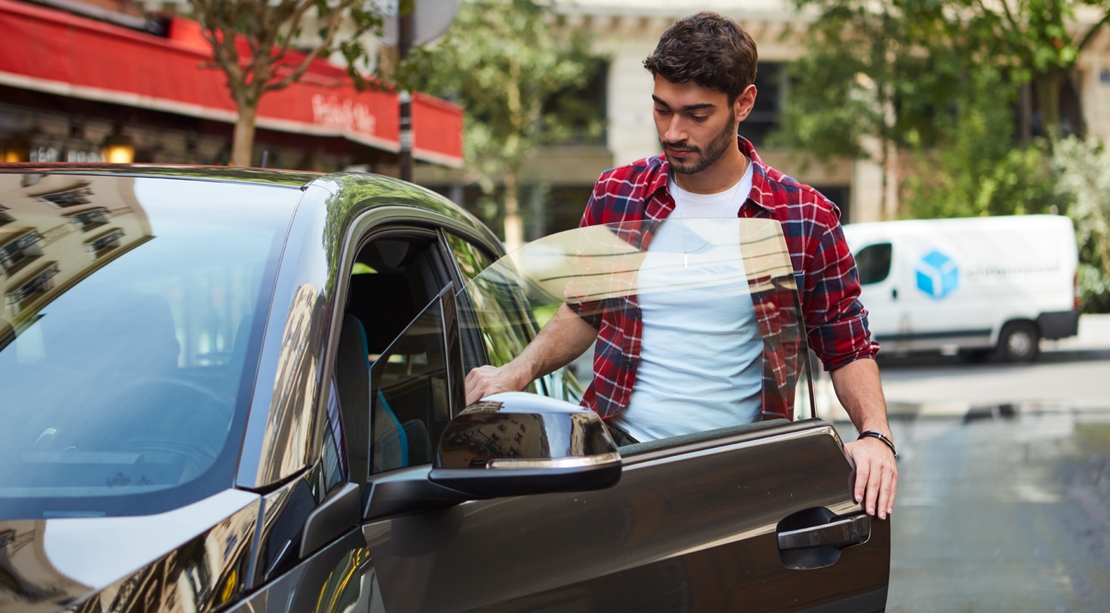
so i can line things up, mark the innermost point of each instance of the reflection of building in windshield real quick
(57, 229)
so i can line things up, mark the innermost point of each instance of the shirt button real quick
(628, 363)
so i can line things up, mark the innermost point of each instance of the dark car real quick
(243, 390)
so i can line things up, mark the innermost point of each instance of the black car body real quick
(188, 361)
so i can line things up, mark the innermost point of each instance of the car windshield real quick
(132, 316)
(709, 307)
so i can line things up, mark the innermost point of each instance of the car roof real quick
(203, 173)
(366, 189)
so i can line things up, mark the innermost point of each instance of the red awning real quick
(56, 52)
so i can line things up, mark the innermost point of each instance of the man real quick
(704, 69)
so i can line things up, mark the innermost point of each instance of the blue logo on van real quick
(937, 275)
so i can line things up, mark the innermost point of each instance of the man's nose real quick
(675, 132)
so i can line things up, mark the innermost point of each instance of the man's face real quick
(696, 124)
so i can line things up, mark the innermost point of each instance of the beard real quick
(713, 151)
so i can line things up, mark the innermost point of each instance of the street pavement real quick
(1002, 513)
(1004, 489)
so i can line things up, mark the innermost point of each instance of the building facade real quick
(83, 81)
(627, 31)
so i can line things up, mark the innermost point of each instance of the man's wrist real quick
(886, 440)
(521, 373)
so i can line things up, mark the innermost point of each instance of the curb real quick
(967, 412)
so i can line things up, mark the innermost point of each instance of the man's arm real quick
(564, 338)
(859, 389)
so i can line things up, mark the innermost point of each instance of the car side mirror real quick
(515, 443)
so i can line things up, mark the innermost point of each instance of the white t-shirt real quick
(700, 365)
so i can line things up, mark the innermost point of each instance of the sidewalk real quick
(1057, 382)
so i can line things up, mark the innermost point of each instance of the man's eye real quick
(662, 111)
(699, 117)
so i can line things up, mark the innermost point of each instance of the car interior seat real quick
(383, 304)
(395, 444)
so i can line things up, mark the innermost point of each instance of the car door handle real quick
(838, 533)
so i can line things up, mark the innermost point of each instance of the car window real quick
(393, 356)
(125, 362)
(494, 308)
(730, 281)
(410, 401)
(873, 263)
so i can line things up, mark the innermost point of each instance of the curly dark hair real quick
(708, 49)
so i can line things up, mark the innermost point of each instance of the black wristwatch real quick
(882, 437)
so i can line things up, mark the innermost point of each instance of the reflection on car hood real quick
(129, 563)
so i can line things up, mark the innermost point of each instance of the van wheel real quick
(1019, 342)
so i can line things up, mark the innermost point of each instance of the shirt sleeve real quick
(591, 312)
(596, 204)
(835, 318)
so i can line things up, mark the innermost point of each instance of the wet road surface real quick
(1004, 484)
(1002, 510)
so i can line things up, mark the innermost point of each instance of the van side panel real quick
(956, 282)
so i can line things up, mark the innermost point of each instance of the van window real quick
(873, 263)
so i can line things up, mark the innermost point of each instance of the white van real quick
(970, 285)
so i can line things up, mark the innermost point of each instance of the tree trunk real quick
(1048, 99)
(242, 146)
(1025, 114)
(538, 209)
(514, 226)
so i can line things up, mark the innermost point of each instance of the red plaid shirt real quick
(824, 270)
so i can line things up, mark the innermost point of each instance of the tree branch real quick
(296, 13)
(1006, 8)
(333, 26)
(1090, 35)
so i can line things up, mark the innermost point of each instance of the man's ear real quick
(743, 104)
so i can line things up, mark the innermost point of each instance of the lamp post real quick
(404, 45)
(415, 23)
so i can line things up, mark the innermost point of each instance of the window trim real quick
(363, 231)
(545, 383)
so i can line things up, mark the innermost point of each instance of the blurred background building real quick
(626, 31)
(80, 79)
(114, 80)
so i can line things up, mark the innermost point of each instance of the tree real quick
(253, 42)
(504, 61)
(1084, 168)
(944, 84)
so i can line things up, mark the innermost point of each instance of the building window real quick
(90, 219)
(20, 251)
(69, 197)
(770, 82)
(102, 244)
(40, 283)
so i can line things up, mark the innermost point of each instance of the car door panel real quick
(338, 578)
(688, 528)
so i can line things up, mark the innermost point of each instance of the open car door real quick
(754, 516)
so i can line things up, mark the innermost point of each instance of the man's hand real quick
(487, 380)
(876, 475)
(860, 390)
(564, 338)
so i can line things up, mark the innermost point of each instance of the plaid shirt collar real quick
(660, 202)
